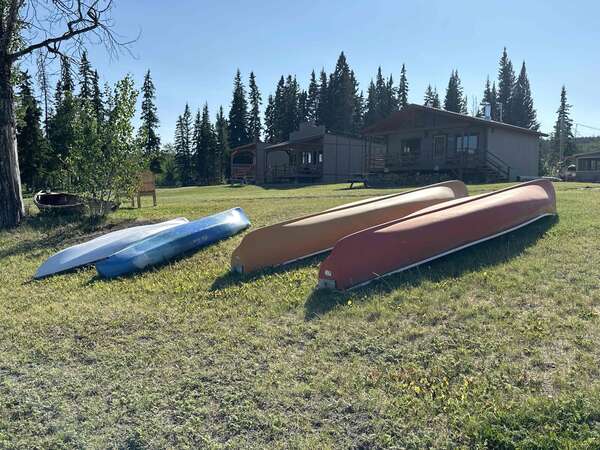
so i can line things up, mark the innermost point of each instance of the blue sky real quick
(193, 48)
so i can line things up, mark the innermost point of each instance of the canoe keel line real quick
(434, 232)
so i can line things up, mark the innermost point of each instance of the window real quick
(588, 164)
(439, 146)
(306, 157)
(411, 146)
(467, 143)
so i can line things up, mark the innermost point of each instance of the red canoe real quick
(433, 232)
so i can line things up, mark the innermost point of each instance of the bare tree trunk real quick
(11, 200)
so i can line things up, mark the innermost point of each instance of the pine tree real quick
(270, 121)
(208, 146)
(389, 101)
(198, 155)
(238, 114)
(45, 91)
(428, 97)
(61, 132)
(323, 107)
(342, 93)
(436, 99)
(85, 79)
(523, 113)
(183, 147)
(31, 143)
(312, 98)
(222, 147)
(371, 114)
(254, 124)
(454, 100)
(97, 100)
(489, 97)
(302, 107)
(148, 132)
(563, 129)
(506, 83)
(403, 89)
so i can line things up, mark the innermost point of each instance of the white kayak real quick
(101, 247)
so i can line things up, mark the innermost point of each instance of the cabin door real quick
(439, 147)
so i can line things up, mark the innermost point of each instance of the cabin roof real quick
(397, 119)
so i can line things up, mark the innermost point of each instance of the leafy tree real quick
(107, 163)
(254, 124)
(148, 131)
(403, 89)
(506, 83)
(183, 147)
(238, 114)
(222, 146)
(523, 113)
(454, 100)
(32, 145)
(168, 175)
(26, 27)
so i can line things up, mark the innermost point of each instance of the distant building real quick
(434, 143)
(310, 155)
(587, 166)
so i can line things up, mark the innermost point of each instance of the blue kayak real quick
(173, 242)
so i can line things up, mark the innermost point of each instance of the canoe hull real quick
(101, 247)
(302, 237)
(434, 232)
(171, 243)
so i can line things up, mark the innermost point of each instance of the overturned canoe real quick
(101, 247)
(60, 202)
(434, 232)
(174, 242)
(299, 238)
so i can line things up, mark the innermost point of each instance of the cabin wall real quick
(519, 150)
(343, 157)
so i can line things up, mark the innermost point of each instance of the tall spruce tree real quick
(270, 122)
(563, 140)
(436, 99)
(183, 147)
(208, 145)
(97, 100)
(312, 98)
(490, 98)
(343, 90)
(506, 83)
(323, 107)
(254, 124)
(198, 154)
(61, 132)
(222, 147)
(148, 132)
(85, 79)
(454, 100)
(523, 113)
(238, 114)
(31, 143)
(428, 97)
(302, 107)
(403, 89)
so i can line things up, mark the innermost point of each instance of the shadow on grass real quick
(237, 279)
(478, 257)
(62, 231)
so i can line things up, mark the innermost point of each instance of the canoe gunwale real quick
(330, 284)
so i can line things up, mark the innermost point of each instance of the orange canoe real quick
(299, 238)
(434, 232)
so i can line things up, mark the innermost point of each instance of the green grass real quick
(492, 347)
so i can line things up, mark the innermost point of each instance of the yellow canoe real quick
(299, 238)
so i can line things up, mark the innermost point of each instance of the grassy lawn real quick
(495, 346)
